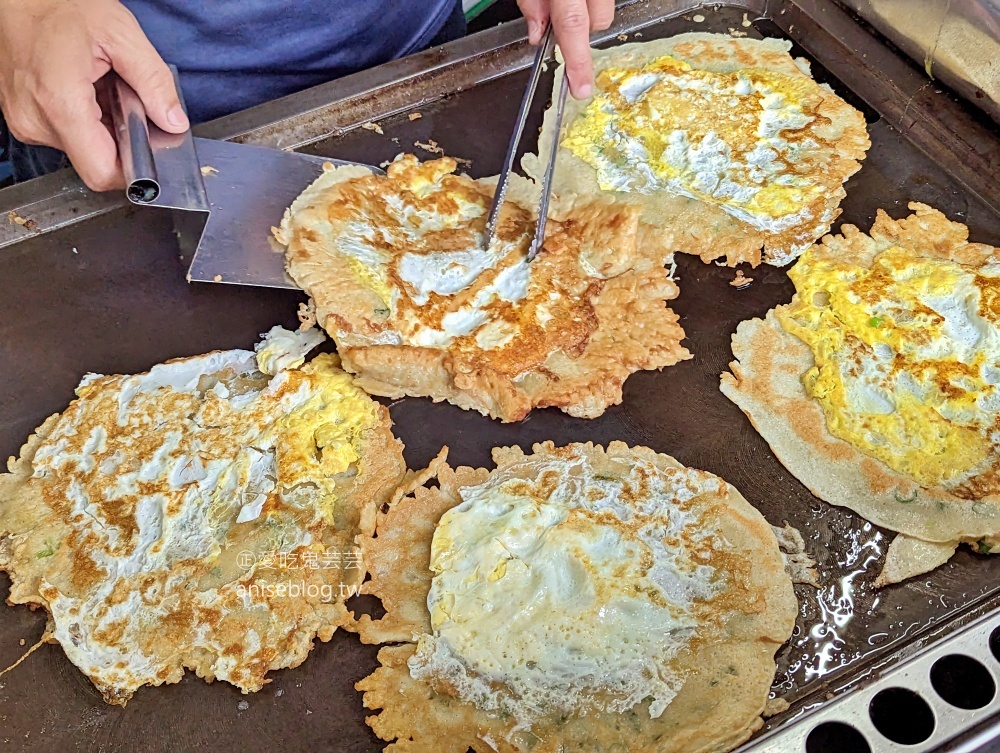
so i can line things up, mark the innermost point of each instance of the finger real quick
(602, 13)
(76, 123)
(136, 60)
(29, 126)
(571, 22)
(536, 13)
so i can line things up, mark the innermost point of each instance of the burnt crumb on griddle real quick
(799, 566)
(741, 281)
(414, 116)
(15, 219)
(373, 126)
(431, 146)
(207, 170)
(46, 638)
(435, 148)
(307, 315)
(773, 707)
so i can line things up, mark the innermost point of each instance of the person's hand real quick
(572, 21)
(52, 52)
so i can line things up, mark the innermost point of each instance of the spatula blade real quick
(248, 190)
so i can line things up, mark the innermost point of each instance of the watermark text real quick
(305, 560)
(325, 592)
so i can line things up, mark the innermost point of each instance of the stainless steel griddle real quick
(89, 284)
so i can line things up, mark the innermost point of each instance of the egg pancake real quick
(417, 306)
(728, 145)
(878, 385)
(202, 515)
(573, 599)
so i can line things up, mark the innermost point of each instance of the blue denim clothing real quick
(28, 161)
(251, 51)
(233, 54)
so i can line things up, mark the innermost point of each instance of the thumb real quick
(135, 59)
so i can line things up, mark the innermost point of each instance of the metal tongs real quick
(544, 50)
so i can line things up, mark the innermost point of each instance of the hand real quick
(52, 52)
(572, 20)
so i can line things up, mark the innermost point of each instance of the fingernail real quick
(176, 117)
(583, 92)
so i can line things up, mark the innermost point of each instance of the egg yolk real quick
(904, 357)
(322, 437)
(731, 139)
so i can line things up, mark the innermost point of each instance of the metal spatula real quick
(243, 190)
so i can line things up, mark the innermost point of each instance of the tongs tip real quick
(541, 55)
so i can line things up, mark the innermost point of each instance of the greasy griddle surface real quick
(108, 296)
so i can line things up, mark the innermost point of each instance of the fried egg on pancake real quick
(202, 515)
(728, 144)
(573, 599)
(417, 306)
(878, 386)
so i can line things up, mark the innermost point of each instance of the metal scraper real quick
(242, 190)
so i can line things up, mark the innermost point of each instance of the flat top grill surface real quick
(108, 295)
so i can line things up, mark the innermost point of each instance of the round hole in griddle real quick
(995, 643)
(836, 737)
(962, 681)
(901, 715)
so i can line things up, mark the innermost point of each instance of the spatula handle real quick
(131, 131)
